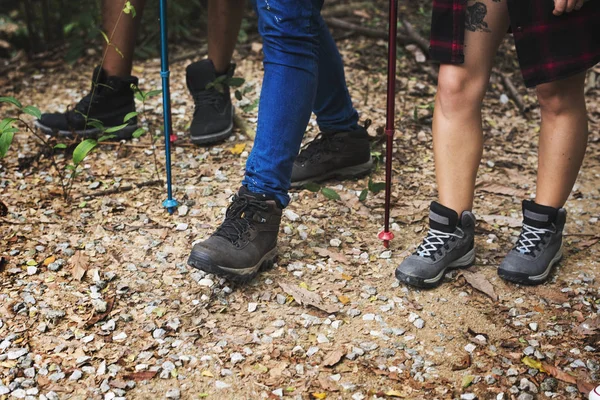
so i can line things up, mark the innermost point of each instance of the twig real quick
(419, 40)
(123, 189)
(513, 92)
(243, 126)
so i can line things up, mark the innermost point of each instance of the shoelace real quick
(530, 238)
(323, 142)
(208, 97)
(433, 242)
(238, 217)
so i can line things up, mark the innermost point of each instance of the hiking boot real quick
(448, 244)
(112, 100)
(341, 155)
(539, 246)
(245, 243)
(213, 112)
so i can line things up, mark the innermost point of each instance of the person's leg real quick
(342, 149)
(213, 112)
(224, 21)
(291, 44)
(123, 28)
(563, 139)
(457, 146)
(457, 129)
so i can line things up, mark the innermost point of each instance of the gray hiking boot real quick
(245, 243)
(539, 246)
(448, 244)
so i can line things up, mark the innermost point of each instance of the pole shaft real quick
(391, 107)
(164, 73)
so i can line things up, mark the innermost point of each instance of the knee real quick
(556, 99)
(459, 90)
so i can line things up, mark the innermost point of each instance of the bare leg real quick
(563, 139)
(224, 21)
(125, 32)
(457, 130)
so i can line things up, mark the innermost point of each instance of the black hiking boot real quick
(448, 244)
(245, 243)
(340, 155)
(213, 113)
(112, 101)
(539, 247)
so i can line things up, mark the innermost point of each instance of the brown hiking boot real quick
(245, 243)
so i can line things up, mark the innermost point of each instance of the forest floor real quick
(96, 299)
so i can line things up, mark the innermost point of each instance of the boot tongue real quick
(537, 215)
(200, 74)
(245, 192)
(442, 218)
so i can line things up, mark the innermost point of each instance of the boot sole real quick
(430, 283)
(213, 137)
(524, 279)
(353, 172)
(238, 275)
(122, 134)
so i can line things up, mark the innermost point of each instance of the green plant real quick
(141, 131)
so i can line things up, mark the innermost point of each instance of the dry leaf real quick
(207, 373)
(479, 281)
(319, 396)
(140, 376)
(559, 374)
(49, 260)
(304, 297)
(333, 357)
(337, 257)
(588, 327)
(496, 188)
(327, 384)
(464, 363)
(344, 299)
(79, 265)
(585, 387)
(532, 363)
(394, 393)
(238, 149)
(110, 303)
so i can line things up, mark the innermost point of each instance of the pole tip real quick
(170, 205)
(386, 237)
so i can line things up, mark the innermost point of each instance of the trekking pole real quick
(170, 203)
(386, 235)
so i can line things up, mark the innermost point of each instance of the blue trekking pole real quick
(170, 203)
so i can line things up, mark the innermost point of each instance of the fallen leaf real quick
(464, 363)
(558, 373)
(394, 393)
(344, 299)
(585, 387)
(333, 357)
(533, 363)
(49, 260)
(207, 373)
(319, 395)
(479, 281)
(304, 297)
(110, 303)
(140, 376)
(496, 188)
(238, 149)
(467, 380)
(79, 265)
(337, 257)
(588, 327)
(327, 384)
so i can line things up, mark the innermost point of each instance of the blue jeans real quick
(303, 73)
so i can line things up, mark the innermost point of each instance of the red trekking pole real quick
(386, 235)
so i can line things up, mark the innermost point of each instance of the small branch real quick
(123, 189)
(513, 92)
(413, 35)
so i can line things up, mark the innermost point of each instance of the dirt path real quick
(175, 332)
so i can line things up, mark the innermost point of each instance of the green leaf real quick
(70, 167)
(115, 128)
(82, 150)
(153, 93)
(96, 124)
(105, 37)
(106, 137)
(238, 95)
(60, 146)
(12, 101)
(467, 380)
(33, 111)
(312, 187)
(6, 123)
(363, 195)
(5, 140)
(117, 50)
(139, 132)
(376, 187)
(129, 9)
(130, 115)
(330, 194)
(139, 96)
(235, 82)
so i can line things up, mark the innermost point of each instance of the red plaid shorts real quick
(549, 48)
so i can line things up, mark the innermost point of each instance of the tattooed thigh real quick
(475, 16)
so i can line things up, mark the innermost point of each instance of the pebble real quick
(182, 226)
(222, 385)
(252, 307)
(292, 216)
(549, 385)
(470, 347)
(15, 354)
(182, 210)
(533, 326)
(76, 375)
(312, 351)
(526, 396)
(19, 394)
(174, 394)
(120, 337)
(99, 305)
(236, 358)
(322, 339)
(4, 390)
(335, 242)
(468, 396)
(206, 282)
(419, 323)
(32, 270)
(353, 312)
(158, 333)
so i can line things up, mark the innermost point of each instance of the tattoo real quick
(475, 18)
